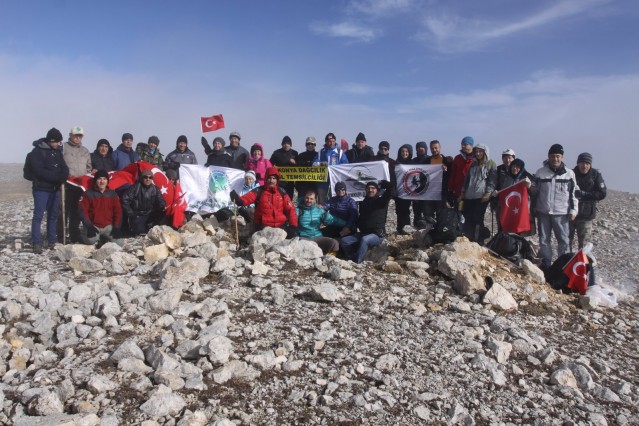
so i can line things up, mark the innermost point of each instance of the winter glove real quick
(236, 198)
(528, 182)
(116, 233)
(384, 184)
(92, 231)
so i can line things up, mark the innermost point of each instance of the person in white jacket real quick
(556, 205)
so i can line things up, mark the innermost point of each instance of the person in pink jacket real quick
(258, 163)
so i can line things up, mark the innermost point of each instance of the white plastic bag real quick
(599, 296)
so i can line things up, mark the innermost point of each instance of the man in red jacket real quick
(273, 206)
(100, 212)
(461, 164)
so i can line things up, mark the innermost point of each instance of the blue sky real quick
(518, 74)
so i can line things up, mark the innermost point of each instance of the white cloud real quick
(457, 34)
(381, 8)
(350, 30)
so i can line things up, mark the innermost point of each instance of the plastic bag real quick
(599, 296)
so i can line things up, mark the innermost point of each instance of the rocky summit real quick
(189, 328)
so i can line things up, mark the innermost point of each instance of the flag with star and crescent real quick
(514, 215)
(577, 272)
(212, 123)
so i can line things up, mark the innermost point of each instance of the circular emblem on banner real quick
(415, 182)
(218, 182)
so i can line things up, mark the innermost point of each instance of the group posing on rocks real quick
(562, 200)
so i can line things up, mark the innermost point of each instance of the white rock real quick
(161, 405)
(500, 298)
(156, 252)
(325, 293)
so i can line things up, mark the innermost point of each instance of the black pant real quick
(141, 223)
(72, 195)
(474, 212)
(402, 208)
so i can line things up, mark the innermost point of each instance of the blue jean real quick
(49, 202)
(355, 246)
(559, 225)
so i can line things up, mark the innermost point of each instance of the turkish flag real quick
(577, 272)
(126, 176)
(178, 207)
(212, 123)
(513, 208)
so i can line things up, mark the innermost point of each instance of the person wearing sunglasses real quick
(305, 159)
(144, 205)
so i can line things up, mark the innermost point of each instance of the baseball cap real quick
(77, 130)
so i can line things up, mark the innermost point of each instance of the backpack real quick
(512, 247)
(448, 226)
(558, 280)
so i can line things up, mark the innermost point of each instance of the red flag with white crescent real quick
(212, 123)
(126, 176)
(577, 272)
(513, 208)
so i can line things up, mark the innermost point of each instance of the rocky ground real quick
(187, 328)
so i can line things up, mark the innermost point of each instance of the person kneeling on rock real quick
(144, 205)
(310, 217)
(100, 212)
(273, 206)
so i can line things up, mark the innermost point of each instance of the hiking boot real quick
(52, 246)
(37, 248)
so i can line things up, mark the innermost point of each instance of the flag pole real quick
(237, 234)
(64, 218)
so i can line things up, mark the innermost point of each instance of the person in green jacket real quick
(311, 217)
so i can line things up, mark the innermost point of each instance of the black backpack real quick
(558, 280)
(511, 246)
(448, 226)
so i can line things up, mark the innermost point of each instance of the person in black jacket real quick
(402, 206)
(360, 152)
(49, 172)
(305, 159)
(371, 223)
(102, 157)
(592, 189)
(144, 205)
(218, 156)
(285, 157)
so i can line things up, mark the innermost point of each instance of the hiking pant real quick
(583, 228)
(402, 208)
(559, 225)
(328, 245)
(355, 246)
(49, 202)
(72, 195)
(140, 224)
(105, 233)
(474, 212)
(432, 208)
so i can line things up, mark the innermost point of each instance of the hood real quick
(258, 145)
(41, 143)
(485, 148)
(272, 171)
(410, 152)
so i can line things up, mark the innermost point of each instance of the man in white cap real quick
(78, 159)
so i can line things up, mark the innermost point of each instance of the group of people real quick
(563, 200)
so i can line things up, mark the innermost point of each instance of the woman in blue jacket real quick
(311, 217)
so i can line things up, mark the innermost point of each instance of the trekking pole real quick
(64, 216)
(492, 222)
(237, 234)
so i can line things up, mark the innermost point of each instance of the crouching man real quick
(144, 205)
(100, 212)
(371, 223)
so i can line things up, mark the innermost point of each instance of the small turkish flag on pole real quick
(212, 123)
(577, 272)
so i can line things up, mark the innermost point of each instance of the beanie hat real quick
(100, 174)
(360, 137)
(340, 185)
(127, 136)
(220, 140)
(372, 183)
(147, 173)
(182, 138)
(508, 151)
(54, 135)
(154, 139)
(250, 173)
(287, 140)
(517, 162)
(103, 142)
(584, 157)
(468, 140)
(556, 149)
(172, 174)
(384, 144)
(236, 134)
(421, 144)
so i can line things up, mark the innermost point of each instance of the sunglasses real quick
(311, 144)
(147, 177)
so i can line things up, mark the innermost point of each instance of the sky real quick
(514, 74)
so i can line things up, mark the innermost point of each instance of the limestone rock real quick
(500, 298)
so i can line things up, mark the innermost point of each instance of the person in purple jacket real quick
(344, 207)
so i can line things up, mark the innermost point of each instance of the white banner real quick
(357, 175)
(207, 189)
(419, 181)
